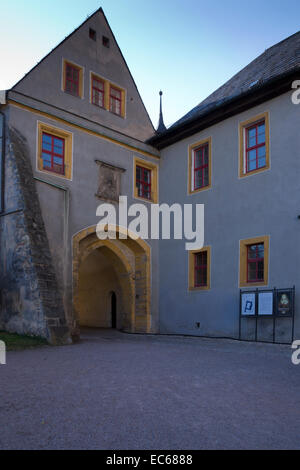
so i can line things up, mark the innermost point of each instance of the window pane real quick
(46, 157)
(47, 138)
(69, 72)
(47, 146)
(98, 85)
(260, 270)
(198, 158)
(251, 132)
(205, 179)
(198, 179)
(260, 250)
(140, 189)
(138, 173)
(261, 151)
(205, 155)
(252, 250)
(147, 175)
(261, 138)
(118, 107)
(201, 277)
(201, 258)
(97, 98)
(251, 137)
(115, 93)
(58, 146)
(251, 271)
(251, 156)
(262, 162)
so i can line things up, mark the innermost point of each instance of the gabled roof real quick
(99, 10)
(58, 45)
(277, 62)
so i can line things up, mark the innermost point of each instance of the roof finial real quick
(161, 126)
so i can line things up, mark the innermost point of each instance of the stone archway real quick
(130, 260)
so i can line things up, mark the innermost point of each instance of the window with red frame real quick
(143, 182)
(201, 167)
(115, 103)
(98, 92)
(255, 146)
(255, 262)
(53, 153)
(200, 273)
(72, 79)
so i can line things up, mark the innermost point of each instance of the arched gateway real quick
(100, 267)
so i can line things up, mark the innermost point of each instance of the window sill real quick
(253, 284)
(254, 172)
(196, 191)
(202, 288)
(71, 94)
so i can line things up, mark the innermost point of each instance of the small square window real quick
(92, 34)
(105, 41)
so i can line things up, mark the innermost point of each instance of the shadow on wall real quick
(98, 291)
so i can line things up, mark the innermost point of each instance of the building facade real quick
(75, 134)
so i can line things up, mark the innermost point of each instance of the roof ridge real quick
(250, 76)
(283, 40)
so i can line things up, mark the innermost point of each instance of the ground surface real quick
(118, 391)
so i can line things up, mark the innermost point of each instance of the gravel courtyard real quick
(119, 391)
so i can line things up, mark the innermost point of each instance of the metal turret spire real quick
(161, 126)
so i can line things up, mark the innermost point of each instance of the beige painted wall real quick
(97, 279)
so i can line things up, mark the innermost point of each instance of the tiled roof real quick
(279, 59)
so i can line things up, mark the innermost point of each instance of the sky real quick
(186, 48)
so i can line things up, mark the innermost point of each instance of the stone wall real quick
(30, 300)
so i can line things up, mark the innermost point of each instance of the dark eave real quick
(235, 105)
